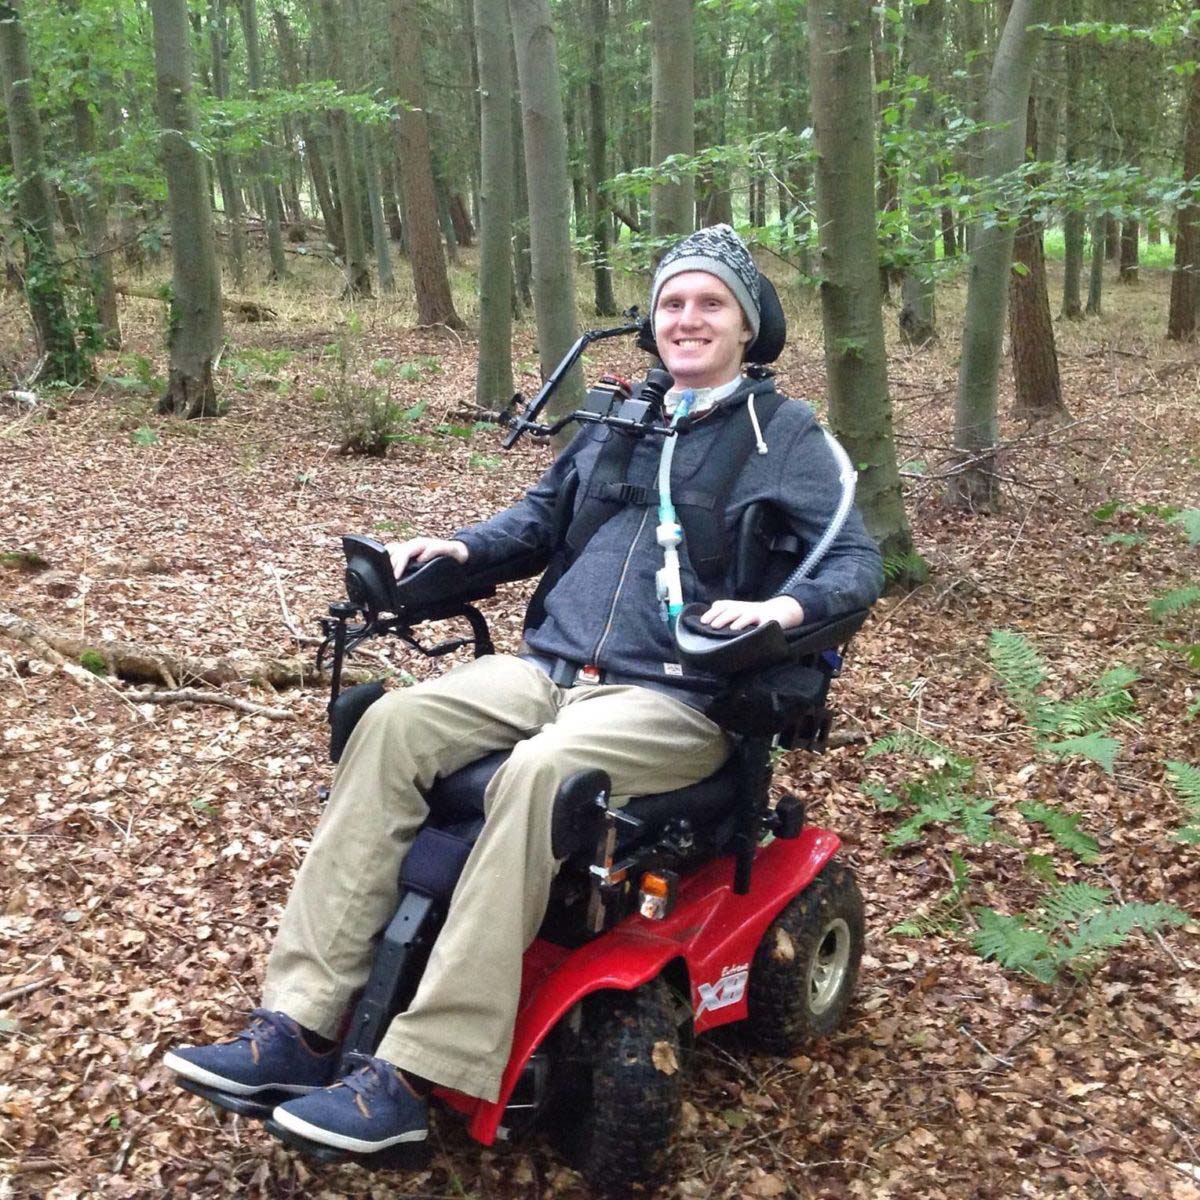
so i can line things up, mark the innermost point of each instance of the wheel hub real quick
(830, 962)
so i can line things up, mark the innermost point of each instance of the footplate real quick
(406, 1156)
(257, 1107)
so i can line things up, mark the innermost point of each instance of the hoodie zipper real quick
(617, 594)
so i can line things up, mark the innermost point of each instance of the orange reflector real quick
(655, 885)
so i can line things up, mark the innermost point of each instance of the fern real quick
(907, 741)
(1190, 520)
(1184, 780)
(1093, 746)
(1021, 669)
(1015, 944)
(885, 801)
(1176, 601)
(1069, 902)
(1063, 828)
(1110, 927)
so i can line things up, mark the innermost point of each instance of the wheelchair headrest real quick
(772, 328)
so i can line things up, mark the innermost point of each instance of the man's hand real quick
(746, 614)
(421, 550)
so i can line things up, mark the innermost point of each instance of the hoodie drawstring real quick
(758, 437)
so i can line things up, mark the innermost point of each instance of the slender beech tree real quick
(923, 49)
(94, 210)
(672, 106)
(860, 410)
(1036, 379)
(265, 172)
(195, 322)
(1075, 221)
(358, 274)
(606, 305)
(432, 284)
(549, 190)
(1005, 110)
(1096, 266)
(231, 196)
(61, 360)
(1181, 321)
(493, 42)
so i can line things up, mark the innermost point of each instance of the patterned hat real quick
(719, 251)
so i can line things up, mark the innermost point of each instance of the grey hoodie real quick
(604, 610)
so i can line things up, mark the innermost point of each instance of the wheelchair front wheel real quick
(618, 1101)
(806, 966)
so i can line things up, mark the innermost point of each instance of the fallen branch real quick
(621, 215)
(25, 989)
(196, 696)
(137, 664)
(248, 310)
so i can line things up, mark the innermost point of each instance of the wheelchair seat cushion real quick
(459, 796)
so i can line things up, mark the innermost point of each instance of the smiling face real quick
(700, 330)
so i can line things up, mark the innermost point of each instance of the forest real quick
(273, 272)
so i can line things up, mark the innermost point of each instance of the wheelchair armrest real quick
(730, 652)
(428, 589)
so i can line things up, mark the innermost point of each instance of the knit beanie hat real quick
(719, 251)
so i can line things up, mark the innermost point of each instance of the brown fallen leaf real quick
(783, 949)
(663, 1057)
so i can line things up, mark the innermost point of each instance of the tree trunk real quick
(1075, 222)
(522, 261)
(855, 362)
(602, 281)
(195, 321)
(62, 361)
(991, 260)
(1130, 231)
(358, 274)
(1112, 238)
(432, 285)
(95, 223)
(391, 206)
(493, 42)
(672, 205)
(917, 315)
(265, 169)
(1096, 272)
(1181, 321)
(549, 191)
(1035, 361)
(379, 229)
(289, 58)
(231, 198)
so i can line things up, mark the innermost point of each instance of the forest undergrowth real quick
(147, 849)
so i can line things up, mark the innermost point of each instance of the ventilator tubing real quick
(669, 532)
(848, 478)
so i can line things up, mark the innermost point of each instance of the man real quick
(600, 688)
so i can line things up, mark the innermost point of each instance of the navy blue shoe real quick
(363, 1113)
(270, 1054)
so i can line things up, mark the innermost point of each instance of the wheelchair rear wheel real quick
(806, 966)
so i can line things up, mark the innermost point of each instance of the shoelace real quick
(370, 1077)
(264, 1025)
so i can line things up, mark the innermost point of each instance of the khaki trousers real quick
(458, 1029)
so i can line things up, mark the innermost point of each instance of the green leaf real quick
(1190, 520)
(1093, 746)
(1063, 828)
(1014, 943)
(1175, 601)
(1125, 539)
(144, 436)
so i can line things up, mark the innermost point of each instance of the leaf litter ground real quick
(147, 851)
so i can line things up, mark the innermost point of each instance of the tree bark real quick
(231, 197)
(1181, 320)
(1075, 222)
(991, 260)
(432, 285)
(549, 192)
(265, 168)
(358, 274)
(1129, 270)
(917, 318)
(1096, 271)
(855, 361)
(62, 361)
(195, 321)
(672, 106)
(602, 281)
(493, 45)
(1031, 329)
(95, 225)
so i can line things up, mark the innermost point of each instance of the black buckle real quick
(629, 493)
